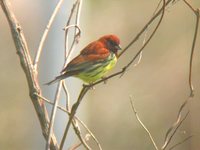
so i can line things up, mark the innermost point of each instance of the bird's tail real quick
(58, 78)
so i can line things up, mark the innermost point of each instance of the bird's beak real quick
(118, 47)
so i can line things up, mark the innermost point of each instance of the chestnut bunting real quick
(94, 61)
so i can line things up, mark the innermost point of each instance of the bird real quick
(94, 61)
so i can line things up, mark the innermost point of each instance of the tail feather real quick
(58, 78)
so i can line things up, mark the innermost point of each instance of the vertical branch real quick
(52, 119)
(192, 53)
(59, 87)
(46, 31)
(31, 76)
(73, 112)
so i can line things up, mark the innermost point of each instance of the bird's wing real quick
(85, 60)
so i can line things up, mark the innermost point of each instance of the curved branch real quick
(46, 31)
(144, 28)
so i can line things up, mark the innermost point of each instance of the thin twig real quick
(145, 36)
(181, 142)
(190, 6)
(144, 28)
(69, 52)
(46, 31)
(87, 137)
(73, 112)
(67, 26)
(192, 53)
(177, 120)
(53, 113)
(77, 31)
(67, 96)
(142, 124)
(168, 140)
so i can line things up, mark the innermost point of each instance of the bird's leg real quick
(104, 79)
(91, 86)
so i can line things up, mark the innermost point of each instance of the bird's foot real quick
(90, 85)
(104, 80)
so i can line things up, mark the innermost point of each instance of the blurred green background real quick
(158, 85)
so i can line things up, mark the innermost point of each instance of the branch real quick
(169, 138)
(53, 114)
(31, 76)
(142, 124)
(46, 31)
(192, 51)
(73, 112)
(190, 6)
(144, 28)
(181, 142)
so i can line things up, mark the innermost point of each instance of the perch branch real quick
(73, 112)
(144, 28)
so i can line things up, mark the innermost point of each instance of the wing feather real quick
(87, 59)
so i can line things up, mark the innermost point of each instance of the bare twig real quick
(56, 100)
(177, 120)
(190, 6)
(76, 36)
(144, 28)
(192, 53)
(73, 112)
(46, 31)
(77, 31)
(87, 137)
(67, 96)
(67, 51)
(26, 63)
(169, 138)
(181, 142)
(142, 124)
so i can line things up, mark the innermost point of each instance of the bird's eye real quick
(112, 43)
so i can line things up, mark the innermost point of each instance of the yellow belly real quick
(100, 71)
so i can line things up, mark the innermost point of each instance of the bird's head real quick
(111, 42)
